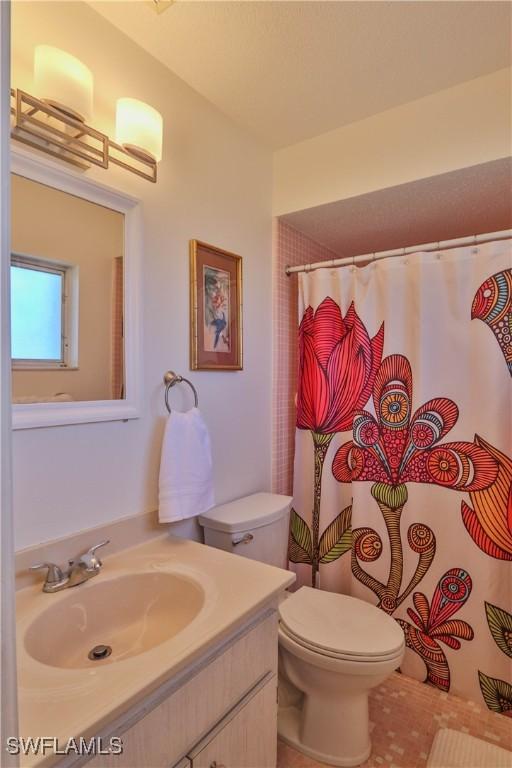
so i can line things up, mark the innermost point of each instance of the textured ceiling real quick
(437, 208)
(288, 71)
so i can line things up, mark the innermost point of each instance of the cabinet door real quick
(248, 740)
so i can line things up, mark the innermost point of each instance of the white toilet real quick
(332, 648)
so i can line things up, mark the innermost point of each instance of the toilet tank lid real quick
(248, 512)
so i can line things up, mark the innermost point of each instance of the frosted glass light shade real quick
(63, 81)
(139, 128)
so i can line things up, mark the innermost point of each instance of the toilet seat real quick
(340, 627)
(340, 656)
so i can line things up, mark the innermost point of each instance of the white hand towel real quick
(186, 472)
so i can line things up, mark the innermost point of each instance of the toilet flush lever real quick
(245, 539)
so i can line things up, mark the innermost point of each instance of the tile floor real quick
(404, 717)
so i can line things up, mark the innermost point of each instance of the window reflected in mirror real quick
(66, 297)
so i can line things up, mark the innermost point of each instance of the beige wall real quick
(455, 128)
(51, 224)
(215, 184)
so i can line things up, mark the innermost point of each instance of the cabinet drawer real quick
(248, 740)
(173, 727)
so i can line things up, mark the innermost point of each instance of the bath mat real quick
(453, 749)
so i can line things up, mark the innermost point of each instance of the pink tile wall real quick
(291, 248)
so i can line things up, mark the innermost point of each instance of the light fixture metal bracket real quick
(50, 130)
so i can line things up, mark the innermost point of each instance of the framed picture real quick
(215, 308)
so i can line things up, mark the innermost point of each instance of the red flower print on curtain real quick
(396, 448)
(434, 625)
(338, 363)
(493, 305)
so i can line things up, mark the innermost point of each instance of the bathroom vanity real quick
(192, 676)
(225, 713)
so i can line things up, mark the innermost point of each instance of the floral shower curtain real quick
(403, 468)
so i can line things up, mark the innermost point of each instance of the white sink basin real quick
(130, 614)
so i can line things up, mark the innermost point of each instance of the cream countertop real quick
(69, 702)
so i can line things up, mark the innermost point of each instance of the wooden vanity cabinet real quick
(248, 740)
(220, 714)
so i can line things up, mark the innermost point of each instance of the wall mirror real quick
(74, 297)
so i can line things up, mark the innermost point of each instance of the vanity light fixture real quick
(63, 82)
(55, 122)
(139, 129)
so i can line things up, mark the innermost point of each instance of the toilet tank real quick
(254, 526)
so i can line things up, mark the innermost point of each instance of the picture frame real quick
(216, 333)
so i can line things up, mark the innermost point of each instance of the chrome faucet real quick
(83, 568)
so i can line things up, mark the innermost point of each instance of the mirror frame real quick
(32, 415)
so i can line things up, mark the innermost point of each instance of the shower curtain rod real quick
(442, 245)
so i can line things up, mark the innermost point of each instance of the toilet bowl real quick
(333, 649)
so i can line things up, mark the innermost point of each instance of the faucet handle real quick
(92, 550)
(89, 558)
(54, 574)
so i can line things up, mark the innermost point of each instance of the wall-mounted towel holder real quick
(170, 379)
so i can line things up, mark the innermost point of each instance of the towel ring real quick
(170, 379)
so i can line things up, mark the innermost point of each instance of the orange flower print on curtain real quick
(489, 520)
(338, 364)
(489, 523)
